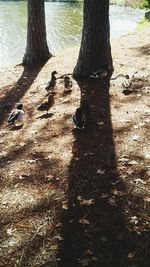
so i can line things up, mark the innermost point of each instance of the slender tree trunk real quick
(95, 50)
(37, 51)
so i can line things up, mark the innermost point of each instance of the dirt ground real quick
(74, 198)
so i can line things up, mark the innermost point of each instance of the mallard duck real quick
(47, 104)
(52, 83)
(102, 73)
(67, 83)
(79, 118)
(127, 82)
(16, 115)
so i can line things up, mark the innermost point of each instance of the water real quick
(63, 21)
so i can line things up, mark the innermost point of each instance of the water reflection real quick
(64, 23)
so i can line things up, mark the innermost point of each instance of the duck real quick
(127, 82)
(16, 115)
(47, 104)
(67, 83)
(101, 73)
(52, 83)
(79, 118)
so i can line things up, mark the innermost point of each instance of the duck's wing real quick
(43, 106)
(79, 122)
(74, 118)
(13, 116)
(51, 84)
(48, 85)
(70, 83)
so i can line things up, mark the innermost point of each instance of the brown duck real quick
(47, 104)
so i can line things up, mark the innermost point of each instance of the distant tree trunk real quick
(37, 51)
(95, 50)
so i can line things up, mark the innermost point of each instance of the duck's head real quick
(54, 73)
(78, 111)
(19, 106)
(66, 78)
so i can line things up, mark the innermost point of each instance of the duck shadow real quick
(45, 116)
(16, 127)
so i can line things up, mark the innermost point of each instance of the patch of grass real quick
(142, 23)
(145, 4)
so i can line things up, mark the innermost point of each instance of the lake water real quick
(63, 21)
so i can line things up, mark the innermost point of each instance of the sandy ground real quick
(70, 198)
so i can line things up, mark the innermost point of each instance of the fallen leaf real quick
(64, 206)
(22, 144)
(135, 137)
(23, 225)
(84, 221)
(85, 202)
(131, 255)
(88, 154)
(84, 262)
(10, 231)
(112, 202)
(31, 161)
(124, 160)
(100, 123)
(114, 183)
(116, 192)
(130, 171)
(133, 162)
(99, 171)
(54, 247)
(9, 161)
(89, 252)
(134, 220)
(135, 127)
(59, 237)
(139, 181)
(49, 177)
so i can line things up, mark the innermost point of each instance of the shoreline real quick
(129, 3)
(12, 72)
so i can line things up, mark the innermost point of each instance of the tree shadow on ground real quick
(94, 231)
(14, 94)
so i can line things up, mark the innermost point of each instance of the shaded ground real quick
(70, 198)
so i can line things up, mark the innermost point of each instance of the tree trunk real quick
(37, 51)
(95, 50)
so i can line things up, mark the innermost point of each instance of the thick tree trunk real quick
(95, 50)
(37, 51)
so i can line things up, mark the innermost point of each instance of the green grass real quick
(142, 23)
(145, 4)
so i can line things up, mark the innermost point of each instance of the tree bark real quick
(37, 51)
(95, 50)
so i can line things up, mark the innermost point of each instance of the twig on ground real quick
(21, 258)
(37, 231)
